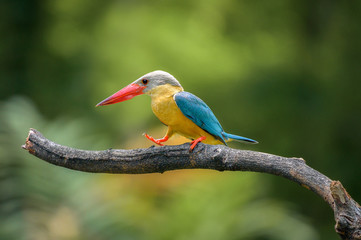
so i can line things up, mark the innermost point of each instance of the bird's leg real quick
(157, 141)
(195, 142)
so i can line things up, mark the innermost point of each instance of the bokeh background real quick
(286, 73)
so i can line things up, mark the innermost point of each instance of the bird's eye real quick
(144, 81)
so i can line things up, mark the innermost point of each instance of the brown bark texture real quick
(347, 212)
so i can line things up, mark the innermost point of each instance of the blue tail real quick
(238, 138)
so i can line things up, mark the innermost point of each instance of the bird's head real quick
(144, 84)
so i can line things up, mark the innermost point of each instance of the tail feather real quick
(238, 138)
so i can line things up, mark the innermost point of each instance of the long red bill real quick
(124, 94)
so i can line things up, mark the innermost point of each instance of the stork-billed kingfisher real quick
(183, 112)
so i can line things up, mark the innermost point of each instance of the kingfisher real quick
(183, 112)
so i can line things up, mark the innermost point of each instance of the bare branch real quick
(218, 157)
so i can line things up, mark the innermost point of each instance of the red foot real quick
(195, 142)
(157, 141)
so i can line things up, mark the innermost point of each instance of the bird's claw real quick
(157, 141)
(195, 142)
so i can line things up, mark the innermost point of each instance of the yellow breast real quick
(165, 108)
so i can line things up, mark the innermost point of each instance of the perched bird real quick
(183, 112)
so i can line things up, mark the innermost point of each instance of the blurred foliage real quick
(282, 72)
(41, 201)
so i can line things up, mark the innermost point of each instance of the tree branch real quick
(218, 157)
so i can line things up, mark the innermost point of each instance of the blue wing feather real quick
(196, 110)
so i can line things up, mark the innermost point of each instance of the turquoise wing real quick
(196, 110)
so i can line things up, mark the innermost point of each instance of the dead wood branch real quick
(217, 157)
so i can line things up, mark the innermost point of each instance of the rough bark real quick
(347, 212)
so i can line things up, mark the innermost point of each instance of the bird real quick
(183, 112)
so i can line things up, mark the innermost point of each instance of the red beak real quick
(124, 94)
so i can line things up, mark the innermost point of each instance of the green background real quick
(286, 73)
